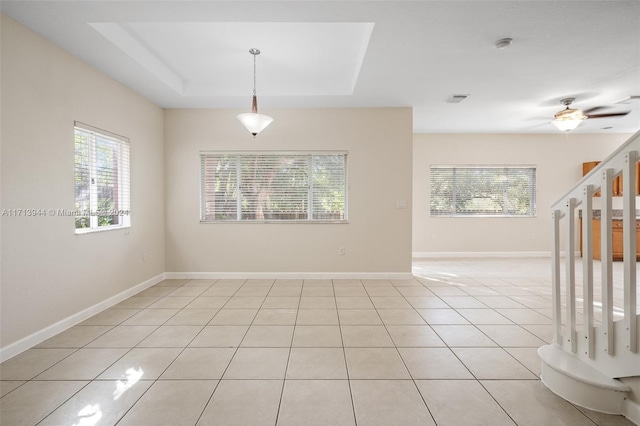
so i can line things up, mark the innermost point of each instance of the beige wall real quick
(558, 159)
(49, 273)
(377, 237)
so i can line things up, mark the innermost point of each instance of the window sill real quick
(476, 216)
(284, 222)
(84, 231)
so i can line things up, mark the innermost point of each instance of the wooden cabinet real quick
(617, 182)
(588, 166)
(616, 226)
(617, 239)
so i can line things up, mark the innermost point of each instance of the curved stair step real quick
(579, 383)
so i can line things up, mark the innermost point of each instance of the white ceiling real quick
(194, 54)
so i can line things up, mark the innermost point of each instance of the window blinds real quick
(260, 186)
(102, 181)
(483, 191)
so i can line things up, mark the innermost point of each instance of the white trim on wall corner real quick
(290, 275)
(40, 336)
(460, 254)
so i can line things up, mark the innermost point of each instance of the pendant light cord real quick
(254, 74)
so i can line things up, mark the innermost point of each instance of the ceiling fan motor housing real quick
(569, 114)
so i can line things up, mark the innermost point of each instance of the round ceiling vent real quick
(503, 43)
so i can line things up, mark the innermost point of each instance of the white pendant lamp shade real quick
(255, 123)
(252, 121)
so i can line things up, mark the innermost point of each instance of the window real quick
(268, 186)
(483, 191)
(101, 180)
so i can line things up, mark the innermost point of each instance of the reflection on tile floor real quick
(456, 345)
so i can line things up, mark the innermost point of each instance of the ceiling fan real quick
(569, 118)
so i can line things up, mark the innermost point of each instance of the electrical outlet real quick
(145, 257)
(341, 251)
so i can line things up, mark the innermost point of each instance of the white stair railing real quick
(591, 340)
(621, 162)
(594, 354)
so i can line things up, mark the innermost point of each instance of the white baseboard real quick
(476, 254)
(290, 275)
(631, 410)
(40, 336)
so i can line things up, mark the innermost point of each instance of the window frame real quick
(301, 153)
(532, 194)
(123, 181)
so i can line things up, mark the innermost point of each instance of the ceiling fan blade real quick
(615, 114)
(594, 109)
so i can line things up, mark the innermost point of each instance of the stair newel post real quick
(570, 259)
(555, 276)
(606, 250)
(587, 268)
(629, 249)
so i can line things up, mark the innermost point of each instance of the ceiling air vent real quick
(456, 99)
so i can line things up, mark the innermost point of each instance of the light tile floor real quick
(456, 345)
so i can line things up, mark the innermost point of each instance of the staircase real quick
(595, 334)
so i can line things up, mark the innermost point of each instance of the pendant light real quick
(253, 121)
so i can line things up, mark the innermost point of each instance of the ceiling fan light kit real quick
(569, 118)
(567, 124)
(252, 121)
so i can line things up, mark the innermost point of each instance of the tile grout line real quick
(286, 368)
(344, 355)
(413, 380)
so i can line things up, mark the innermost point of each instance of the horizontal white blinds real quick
(256, 186)
(102, 181)
(328, 187)
(483, 191)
